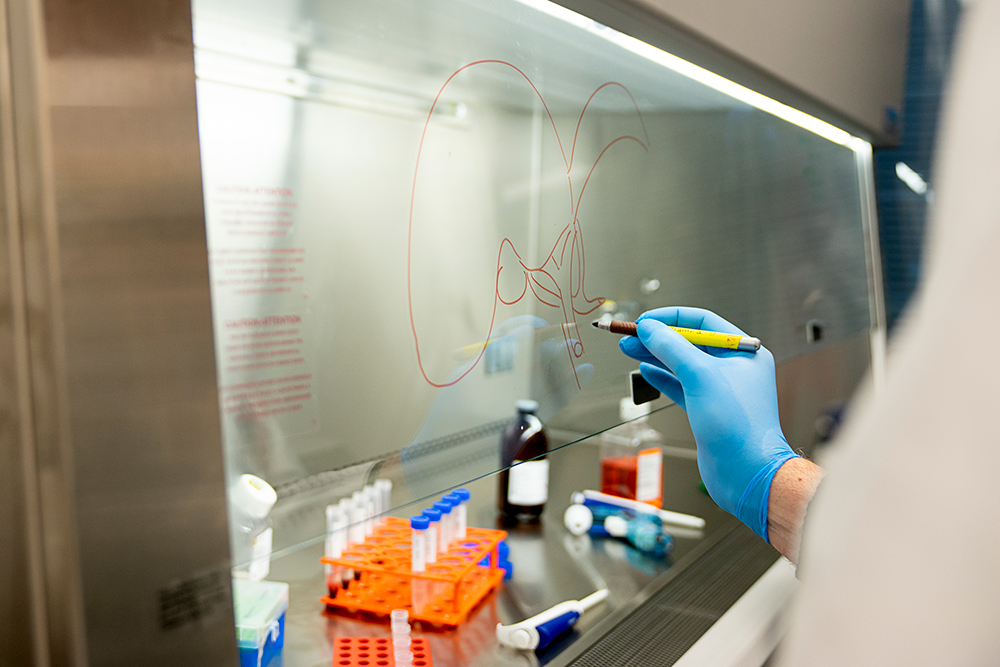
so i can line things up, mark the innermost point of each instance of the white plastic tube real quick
(418, 542)
(462, 513)
(675, 518)
(432, 534)
(359, 514)
(384, 488)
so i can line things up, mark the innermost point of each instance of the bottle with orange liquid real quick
(632, 457)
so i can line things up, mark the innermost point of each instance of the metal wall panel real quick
(16, 589)
(49, 597)
(849, 54)
(119, 336)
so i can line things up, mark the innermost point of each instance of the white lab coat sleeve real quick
(901, 554)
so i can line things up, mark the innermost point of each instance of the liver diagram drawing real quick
(557, 280)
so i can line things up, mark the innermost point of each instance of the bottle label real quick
(529, 483)
(649, 476)
(260, 555)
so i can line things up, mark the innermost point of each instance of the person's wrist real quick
(752, 507)
(792, 488)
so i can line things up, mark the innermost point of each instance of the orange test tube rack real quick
(452, 586)
(376, 652)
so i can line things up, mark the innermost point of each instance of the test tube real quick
(453, 500)
(347, 512)
(401, 637)
(434, 516)
(399, 621)
(369, 505)
(384, 487)
(335, 525)
(358, 515)
(462, 516)
(376, 503)
(418, 560)
(444, 534)
(418, 542)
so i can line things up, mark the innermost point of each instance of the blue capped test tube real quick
(434, 516)
(444, 534)
(462, 513)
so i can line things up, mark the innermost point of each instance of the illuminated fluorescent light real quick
(911, 178)
(701, 75)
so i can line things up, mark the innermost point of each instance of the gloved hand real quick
(731, 402)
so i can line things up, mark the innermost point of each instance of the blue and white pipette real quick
(589, 497)
(538, 631)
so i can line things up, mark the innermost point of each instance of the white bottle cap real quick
(253, 496)
(616, 526)
(578, 519)
(627, 410)
(526, 406)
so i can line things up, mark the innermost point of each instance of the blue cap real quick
(452, 499)
(444, 508)
(463, 494)
(503, 550)
(432, 514)
(419, 522)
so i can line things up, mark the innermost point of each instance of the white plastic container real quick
(252, 499)
(259, 608)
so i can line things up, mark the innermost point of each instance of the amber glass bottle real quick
(524, 477)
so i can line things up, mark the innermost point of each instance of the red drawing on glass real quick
(559, 282)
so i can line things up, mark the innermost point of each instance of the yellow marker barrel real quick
(716, 339)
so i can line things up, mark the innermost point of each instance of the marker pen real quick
(694, 336)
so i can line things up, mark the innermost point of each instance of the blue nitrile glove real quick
(731, 403)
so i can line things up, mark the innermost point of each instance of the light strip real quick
(914, 180)
(700, 74)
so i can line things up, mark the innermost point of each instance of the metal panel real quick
(850, 55)
(122, 373)
(20, 574)
(51, 573)
(672, 620)
(640, 19)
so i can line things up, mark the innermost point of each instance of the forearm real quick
(792, 488)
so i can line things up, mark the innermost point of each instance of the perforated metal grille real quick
(672, 620)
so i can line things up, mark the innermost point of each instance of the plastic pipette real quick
(675, 518)
(538, 631)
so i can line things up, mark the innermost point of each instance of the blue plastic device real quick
(539, 631)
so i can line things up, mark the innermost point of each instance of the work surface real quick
(550, 566)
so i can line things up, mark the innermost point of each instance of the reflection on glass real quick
(416, 208)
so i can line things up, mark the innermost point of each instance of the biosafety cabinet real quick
(329, 243)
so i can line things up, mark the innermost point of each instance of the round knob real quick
(522, 638)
